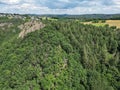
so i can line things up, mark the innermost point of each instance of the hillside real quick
(62, 55)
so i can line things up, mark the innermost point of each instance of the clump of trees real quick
(103, 21)
(95, 21)
(98, 21)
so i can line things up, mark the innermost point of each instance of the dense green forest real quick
(64, 55)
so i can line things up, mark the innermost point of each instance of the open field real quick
(109, 22)
(113, 23)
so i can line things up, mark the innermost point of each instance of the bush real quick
(103, 21)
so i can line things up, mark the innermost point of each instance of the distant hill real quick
(86, 16)
(60, 16)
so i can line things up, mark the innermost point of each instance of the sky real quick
(60, 6)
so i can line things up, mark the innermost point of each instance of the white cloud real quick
(32, 6)
(10, 1)
(117, 3)
(67, 1)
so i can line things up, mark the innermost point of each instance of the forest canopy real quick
(64, 55)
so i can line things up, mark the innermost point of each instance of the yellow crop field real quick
(113, 23)
(109, 22)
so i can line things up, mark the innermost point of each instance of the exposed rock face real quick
(29, 27)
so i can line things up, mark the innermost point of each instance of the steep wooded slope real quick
(64, 55)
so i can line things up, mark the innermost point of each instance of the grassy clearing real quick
(99, 24)
(95, 24)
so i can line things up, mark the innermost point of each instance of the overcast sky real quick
(60, 6)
